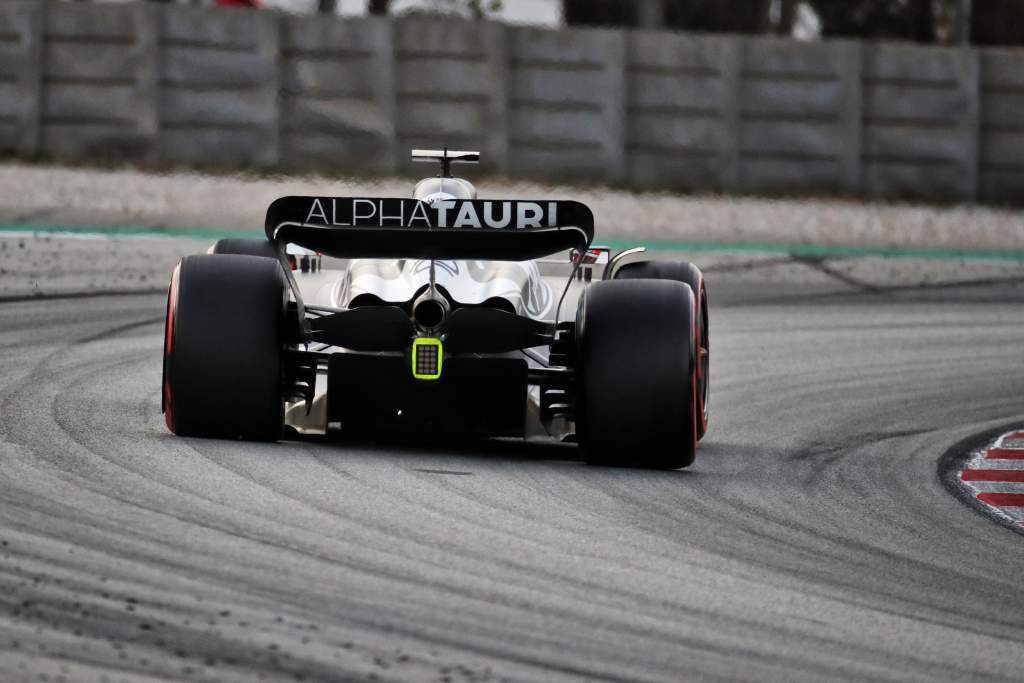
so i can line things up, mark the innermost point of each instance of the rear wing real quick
(358, 227)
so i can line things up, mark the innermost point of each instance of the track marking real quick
(1004, 454)
(994, 476)
(982, 464)
(812, 251)
(1017, 513)
(1002, 500)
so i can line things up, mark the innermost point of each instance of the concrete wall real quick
(232, 88)
(1001, 134)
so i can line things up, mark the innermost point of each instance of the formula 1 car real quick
(439, 314)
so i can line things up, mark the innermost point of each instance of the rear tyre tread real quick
(682, 271)
(636, 374)
(223, 348)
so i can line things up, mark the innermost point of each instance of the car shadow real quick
(434, 445)
(493, 450)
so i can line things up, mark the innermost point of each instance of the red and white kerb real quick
(995, 476)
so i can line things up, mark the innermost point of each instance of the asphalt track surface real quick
(812, 540)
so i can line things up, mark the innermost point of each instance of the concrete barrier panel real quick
(913, 103)
(351, 38)
(90, 103)
(1001, 157)
(357, 151)
(922, 113)
(341, 116)
(1002, 185)
(338, 94)
(682, 110)
(582, 162)
(318, 77)
(675, 93)
(938, 179)
(246, 108)
(793, 99)
(675, 53)
(671, 133)
(766, 174)
(800, 116)
(186, 65)
(444, 85)
(220, 85)
(1001, 69)
(1004, 148)
(554, 127)
(453, 78)
(439, 37)
(678, 170)
(10, 106)
(68, 61)
(539, 47)
(781, 59)
(101, 23)
(1003, 109)
(100, 103)
(465, 120)
(938, 67)
(452, 88)
(807, 139)
(218, 28)
(913, 144)
(559, 86)
(21, 49)
(204, 146)
(109, 140)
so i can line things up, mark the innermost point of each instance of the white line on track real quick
(979, 462)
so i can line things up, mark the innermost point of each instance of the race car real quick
(439, 314)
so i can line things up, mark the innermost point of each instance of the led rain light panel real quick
(426, 358)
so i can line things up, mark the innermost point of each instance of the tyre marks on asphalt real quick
(995, 477)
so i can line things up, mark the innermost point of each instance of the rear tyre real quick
(222, 348)
(680, 271)
(636, 376)
(245, 247)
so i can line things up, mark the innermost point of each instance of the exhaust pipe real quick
(430, 310)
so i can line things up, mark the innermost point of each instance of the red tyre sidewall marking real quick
(694, 412)
(700, 298)
(693, 378)
(172, 308)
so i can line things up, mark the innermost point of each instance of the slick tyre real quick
(636, 374)
(222, 348)
(681, 271)
(245, 247)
